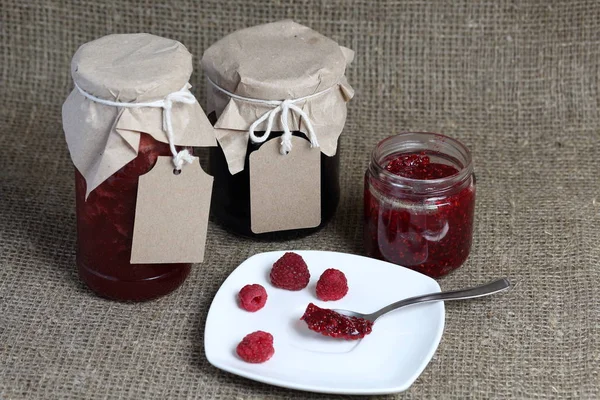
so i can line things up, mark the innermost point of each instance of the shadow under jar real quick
(230, 204)
(419, 202)
(105, 234)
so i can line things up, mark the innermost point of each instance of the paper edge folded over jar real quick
(236, 116)
(111, 135)
(128, 68)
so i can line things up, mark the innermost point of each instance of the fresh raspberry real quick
(290, 272)
(332, 285)
(252, 297)
(256, 347)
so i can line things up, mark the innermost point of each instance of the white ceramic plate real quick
(388, 360)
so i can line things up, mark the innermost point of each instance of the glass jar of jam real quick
(419, 202)
(265, 84)
(105, 234)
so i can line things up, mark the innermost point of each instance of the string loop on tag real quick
(284, 107)
(182, 96)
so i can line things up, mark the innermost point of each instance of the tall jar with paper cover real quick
(122, 129)
(277, 97)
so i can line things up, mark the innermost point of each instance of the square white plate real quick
(388, 360)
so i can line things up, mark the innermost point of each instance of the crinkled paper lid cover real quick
(276, 61)
(131, 67)
(127, 68)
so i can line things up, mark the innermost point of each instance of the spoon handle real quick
(471, 293)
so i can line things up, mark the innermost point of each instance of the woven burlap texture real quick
(516, 81)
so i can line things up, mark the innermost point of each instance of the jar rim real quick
(428, 185)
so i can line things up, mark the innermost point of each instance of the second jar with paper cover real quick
(277, 97)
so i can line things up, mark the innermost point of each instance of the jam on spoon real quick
(330, 323)
(352, 325)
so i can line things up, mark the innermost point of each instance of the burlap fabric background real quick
(516, 81)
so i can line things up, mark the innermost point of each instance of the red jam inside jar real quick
(105, 233)
(419, 203)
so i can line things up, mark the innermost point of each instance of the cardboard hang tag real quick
(285, 190)
(171, 214)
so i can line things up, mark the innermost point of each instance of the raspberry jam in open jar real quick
(419, 202)
(105, 234)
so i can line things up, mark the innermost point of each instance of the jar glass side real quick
(105, 232)
(426, 225)
(230, 206)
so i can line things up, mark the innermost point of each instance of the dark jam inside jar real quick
(230, 204)
(105, 231)
(419, 203)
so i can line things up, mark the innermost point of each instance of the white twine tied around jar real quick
(280, 106)
(182, 96)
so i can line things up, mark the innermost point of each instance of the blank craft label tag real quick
(171, 215)
(285, 190)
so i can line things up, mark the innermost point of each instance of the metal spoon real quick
(471, 293)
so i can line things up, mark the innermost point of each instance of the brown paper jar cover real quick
(111, 147)
(275, 61)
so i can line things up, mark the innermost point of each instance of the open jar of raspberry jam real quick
(419, 202)
(105, 234)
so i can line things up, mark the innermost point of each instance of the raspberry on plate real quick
(290, 272)
(252, 297)
(332, 285)
(256, 347)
